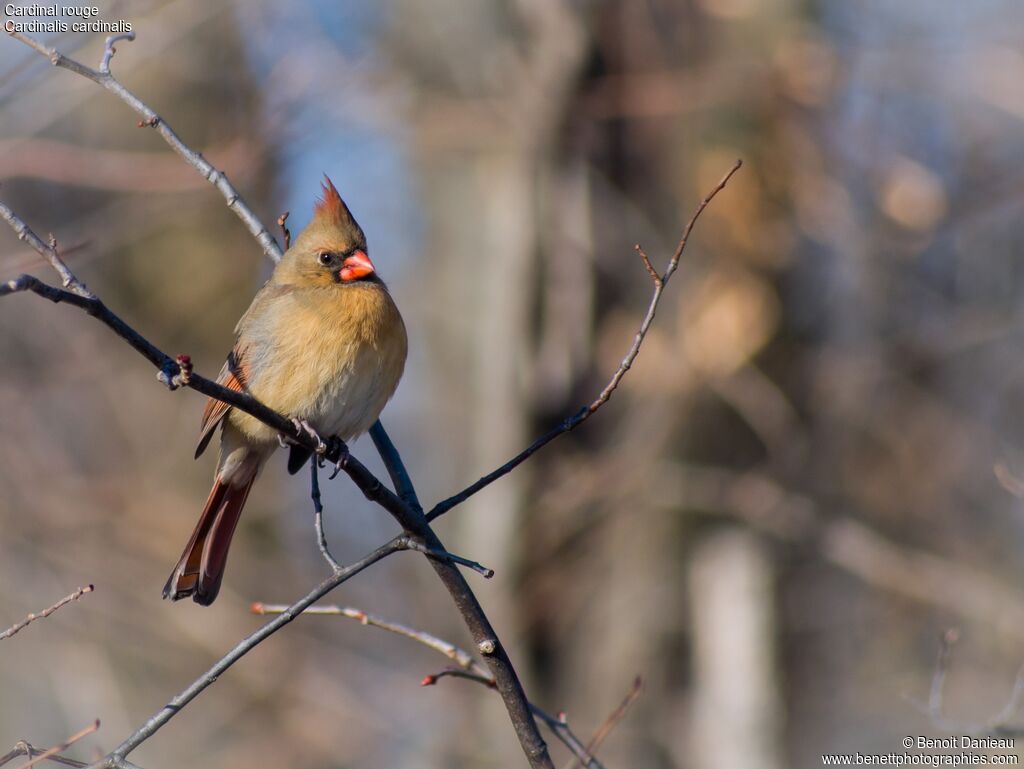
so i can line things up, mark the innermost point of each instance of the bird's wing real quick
(234, 375)
(237, 371)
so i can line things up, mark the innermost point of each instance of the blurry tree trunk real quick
(736, 722)
(495, 146)
(524, 157)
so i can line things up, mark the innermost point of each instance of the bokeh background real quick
(810, 474)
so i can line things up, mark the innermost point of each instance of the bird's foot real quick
(338, 446)
(302, 426)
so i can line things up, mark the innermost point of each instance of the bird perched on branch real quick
(322, 343)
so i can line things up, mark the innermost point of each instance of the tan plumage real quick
(322, 342)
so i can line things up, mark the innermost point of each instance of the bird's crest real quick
(329, 207)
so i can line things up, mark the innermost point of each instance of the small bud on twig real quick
(185, 365)
(285, 232)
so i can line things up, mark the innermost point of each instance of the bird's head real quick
(331, 249)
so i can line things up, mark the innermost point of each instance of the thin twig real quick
(560, 728)
(150, 118)
(318, 514)
(45, 612)
(52, 752)
(286, 234)
(47, 250)
(26, 749)
(468, 668)
(474, 674)
(109, 50)
(648, 266)
(586, 412)
(559, 725)
(459, 656)
(23, 748)
(446, 556)
(613, 719)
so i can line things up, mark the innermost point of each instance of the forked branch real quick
(581, 416)
(471, 669)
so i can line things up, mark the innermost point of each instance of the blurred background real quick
(809, 475)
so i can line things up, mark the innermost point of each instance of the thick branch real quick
(571, 423)
(506, 681)
(396, 468)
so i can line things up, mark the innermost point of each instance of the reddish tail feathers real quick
(201, 568)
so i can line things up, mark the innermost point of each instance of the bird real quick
(322, 343)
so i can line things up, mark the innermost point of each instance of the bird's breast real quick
(333, 357)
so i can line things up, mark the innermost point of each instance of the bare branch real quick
(648, 266)
(109, 50)
(559, 726)
(452, 558)
(318, 514)
(396, 468)
(286, 234)
(468, 668)
(45, 612)
(614, 718)
(459, 656)
(47, 250)
(22, 748)
(172, 708)
(586, 412)
(51, 754)
(150, 118)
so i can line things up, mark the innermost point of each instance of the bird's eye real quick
(324, 257)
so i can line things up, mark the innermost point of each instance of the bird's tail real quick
(201, 568)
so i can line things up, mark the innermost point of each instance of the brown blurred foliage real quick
(809, 474)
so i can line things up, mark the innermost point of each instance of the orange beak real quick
(356, 266)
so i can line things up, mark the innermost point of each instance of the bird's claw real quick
(302, 426)
(339, 464)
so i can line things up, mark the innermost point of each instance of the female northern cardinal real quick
(322, 343)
